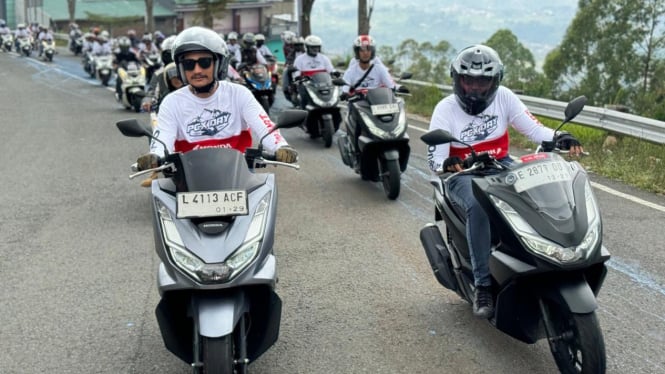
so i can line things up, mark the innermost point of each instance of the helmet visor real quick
(476, 85)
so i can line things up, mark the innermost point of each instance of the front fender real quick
(217, 316)
(576, 294)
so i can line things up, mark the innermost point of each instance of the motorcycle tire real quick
(327, 131)
(390, 177)
(575, 340)
(217, 355)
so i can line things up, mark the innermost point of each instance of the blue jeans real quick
(478, 231)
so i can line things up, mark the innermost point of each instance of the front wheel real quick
(575, 340)
(327, 131)
(217, 355)
(390, 177)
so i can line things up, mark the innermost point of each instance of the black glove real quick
(565, 141)
(147, 161)
(286, 154)
(344, 96)
(402, 89)
(448, 164)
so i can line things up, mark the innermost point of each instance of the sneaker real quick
(483, 303)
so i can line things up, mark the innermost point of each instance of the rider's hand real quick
(402, 89)
(344, 96)
(286, 154)
(565, 141)
(147, 161)
(452, 164)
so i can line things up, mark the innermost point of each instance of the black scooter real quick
(547, 261)
(375, 143)
(323, 113)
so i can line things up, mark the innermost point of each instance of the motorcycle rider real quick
(248, 55)
(232, 43)
(209, 111)
(131, 34)
(44, 35)
(260, 40)
(123, 55)
(311, 63)
(74, 33)
(4, 30)
(364, 73)
(479, 112)
(160, 84)
(20, 33)
(102, 45)
(295, 45)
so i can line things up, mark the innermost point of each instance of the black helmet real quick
(481, 65)
(200, 39)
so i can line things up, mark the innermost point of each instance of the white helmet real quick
(232, 36)
(288, 36)
(313, 45)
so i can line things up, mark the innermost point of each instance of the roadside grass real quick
(636, 162)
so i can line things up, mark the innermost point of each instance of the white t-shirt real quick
(308, 65)
(377, 77)
(226, 120)
(486, 131)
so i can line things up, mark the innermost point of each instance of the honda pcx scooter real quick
(133, 85)
(103, 66)
(7, 42)
(374, 142)
(323, 116)
(214, 228)
(547, 260)
(48, 49)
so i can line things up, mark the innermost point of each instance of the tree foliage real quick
(612, 53)
(426, 61)
(519, 65)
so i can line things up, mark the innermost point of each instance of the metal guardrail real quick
(601, 118)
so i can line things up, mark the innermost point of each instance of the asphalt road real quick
(78, 268)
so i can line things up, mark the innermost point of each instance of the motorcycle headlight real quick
(546, 248)
(324, 103)
(217, 272)
(373, 128)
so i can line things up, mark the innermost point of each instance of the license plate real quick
(540, 174)
(381, 109)
(211, 204)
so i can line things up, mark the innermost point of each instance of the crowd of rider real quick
(34, 33)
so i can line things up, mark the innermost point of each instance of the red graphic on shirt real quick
(239, 142)
(497, 148)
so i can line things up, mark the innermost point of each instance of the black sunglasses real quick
(203, 62)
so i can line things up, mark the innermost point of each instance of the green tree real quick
(519, 65)
(426, 61)
(608, 52)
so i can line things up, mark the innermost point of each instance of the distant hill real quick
(540, 26)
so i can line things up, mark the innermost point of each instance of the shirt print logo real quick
(208, 123)
(480, 128)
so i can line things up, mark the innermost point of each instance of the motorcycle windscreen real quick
(212, 169)
(380, 95)
(551, 197)
(321, 80)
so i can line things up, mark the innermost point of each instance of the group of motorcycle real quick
(374, 141)
(25, 46)
(134, 76)
(214, 234)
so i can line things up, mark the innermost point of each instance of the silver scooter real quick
(214, 228)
